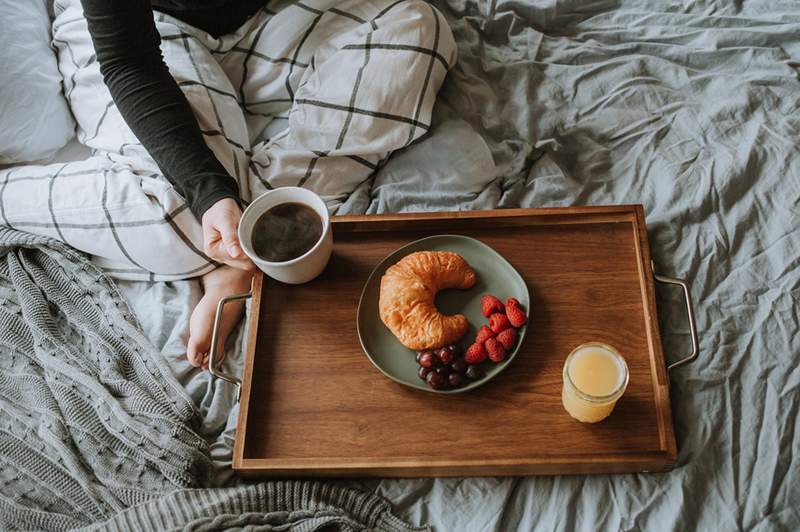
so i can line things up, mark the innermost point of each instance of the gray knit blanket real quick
(96, 433)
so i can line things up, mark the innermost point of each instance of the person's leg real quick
(347, 82)
(133, 225)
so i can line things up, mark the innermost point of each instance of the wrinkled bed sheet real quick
(691, 110)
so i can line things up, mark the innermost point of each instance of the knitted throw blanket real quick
(95, 432)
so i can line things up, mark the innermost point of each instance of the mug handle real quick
(212, 356)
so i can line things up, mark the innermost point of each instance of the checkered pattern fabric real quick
(337, 85)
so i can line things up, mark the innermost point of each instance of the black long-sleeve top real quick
(128, 50)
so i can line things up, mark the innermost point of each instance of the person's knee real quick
(154, 228)
(430, 29)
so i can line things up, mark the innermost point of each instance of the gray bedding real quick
(688, 108)
(692, 110)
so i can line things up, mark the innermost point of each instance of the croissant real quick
(406, 300)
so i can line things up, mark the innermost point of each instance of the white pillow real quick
(35, 120)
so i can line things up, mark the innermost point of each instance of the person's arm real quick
(128, 50)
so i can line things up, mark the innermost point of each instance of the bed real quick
(690, 109)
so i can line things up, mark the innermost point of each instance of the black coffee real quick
(286, 231)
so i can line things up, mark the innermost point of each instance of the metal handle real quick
(690, 312)
(212, 357)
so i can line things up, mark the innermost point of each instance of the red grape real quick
(459, 366)
(427, 360)
(445, 355)
(474, 372)
(435, 380)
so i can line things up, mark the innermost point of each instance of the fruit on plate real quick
(475, 354)
(427, 359)
(493, 342)
(495, 350)
(516, 316)
(484, 333)
(442, 374)
(499, 323)
(406, 301)
(459, 365)
(491, 305)
(445, 355)
(444, 367)
(448, 374)
(508, 338)
(435, 380)
(474, 373)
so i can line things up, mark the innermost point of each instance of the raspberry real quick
(507, 338)
(499, 322)
(475, 354)
(483, 334)
(516, 315)
(490, 305)
(513, 302)
(496, 351)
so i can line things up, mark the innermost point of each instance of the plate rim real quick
(475, 384)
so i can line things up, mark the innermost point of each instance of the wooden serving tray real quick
(312, 405)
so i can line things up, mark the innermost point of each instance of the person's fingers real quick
(211, 242)
(220, 238)
(243, 263)
(235, 250)
(217, 251)
(230, 239)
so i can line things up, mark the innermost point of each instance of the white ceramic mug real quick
(300, 269)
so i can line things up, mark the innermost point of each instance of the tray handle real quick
(690, 313)
(212, 357)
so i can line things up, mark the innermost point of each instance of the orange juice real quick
(595, 377)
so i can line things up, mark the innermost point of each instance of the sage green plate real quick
(495, 276)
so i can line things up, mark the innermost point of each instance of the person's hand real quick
(220, 238)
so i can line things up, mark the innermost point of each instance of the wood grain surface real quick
(313, 404)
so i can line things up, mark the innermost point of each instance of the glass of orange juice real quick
(595, 377)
